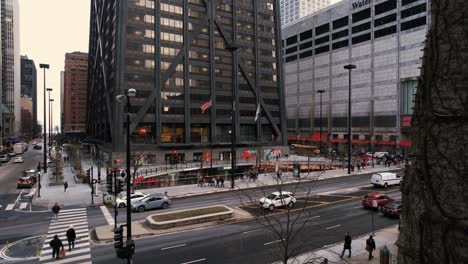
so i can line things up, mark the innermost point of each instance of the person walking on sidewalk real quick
(65, 186)
(370, 246)
(55, 210)
(71, 236)
(222, 182)
(56, 244)
(347, 245)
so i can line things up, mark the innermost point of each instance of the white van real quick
(385, 179)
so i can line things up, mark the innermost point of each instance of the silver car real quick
(151, 202)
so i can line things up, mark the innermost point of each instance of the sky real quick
(48, 30)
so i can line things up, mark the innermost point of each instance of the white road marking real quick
(250, 231)
(68, 260)
(193, 261)
(19, 196)
(23, 205)
(166, 248)
(272, 242)
(358, 206)
(9, 207)
(68, 254)
(71, 210)
(332, 226)
(107, 215)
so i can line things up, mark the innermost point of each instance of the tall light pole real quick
(349, 67)
(320, 142)
(44, 66)
(51, 123)
(49, 90)
(130, 243)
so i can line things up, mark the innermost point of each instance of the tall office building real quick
(180, 56)
(10, 73)
(384, 40)
(29, 91)
(75, 80)
(292, 10)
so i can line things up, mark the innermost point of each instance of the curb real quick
(5, 257)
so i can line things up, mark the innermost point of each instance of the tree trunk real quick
(435, 201)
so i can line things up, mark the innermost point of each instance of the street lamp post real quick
(130, 243)
(44, 66)
(349, 67)
(51, 107)
(48, 128)
(320, 142)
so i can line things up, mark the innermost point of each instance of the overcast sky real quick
(48, 30)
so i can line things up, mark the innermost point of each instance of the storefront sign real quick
(406, 120)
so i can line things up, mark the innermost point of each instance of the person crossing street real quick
(55, 210)
(71, 236)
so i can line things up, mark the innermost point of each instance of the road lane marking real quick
(9, 207)
(107, 215)
(250, 231)
(272, 242)
(357, 206)
(71, 210)
(68, 260)
(193, 261)
(166, 248)
(23, 205)
(332, 227)
(19, 196)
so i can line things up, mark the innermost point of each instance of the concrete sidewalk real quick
(263, 180)
(383, 237)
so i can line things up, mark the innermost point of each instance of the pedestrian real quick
(71, 236)
(347, 245)
(55, 209)
(278, 174)
(222, 182)
(217, 182)
(359, 166)
(213, 181)
(56, 244)
(65, 186)
(370, 246)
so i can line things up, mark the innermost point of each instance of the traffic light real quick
(118, 237)
(109, 183)
(88, 176)
(39, 166)
(120, 186)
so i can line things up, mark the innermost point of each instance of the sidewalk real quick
(76, 194)
(263, 180)
(383, 237)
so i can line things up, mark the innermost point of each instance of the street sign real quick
(374, 203)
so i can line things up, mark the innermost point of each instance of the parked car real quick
(4, 158)
(39, 147)
(378, 155)
(381, 200)
(277, 199)
(122, 200)
(385, 179)
(25, 182)
(392, 209)
(18, 160)
(11, 154)
(151, 201)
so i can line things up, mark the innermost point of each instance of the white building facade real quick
(292, 10)
(384, 39)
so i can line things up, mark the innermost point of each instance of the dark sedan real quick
(25, 182)
(392, 209)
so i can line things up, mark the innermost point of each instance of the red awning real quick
(385, 142)
(139, 179)
(405, 143)
(339, 140)
(316, 136)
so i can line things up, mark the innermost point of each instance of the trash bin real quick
(384, 255)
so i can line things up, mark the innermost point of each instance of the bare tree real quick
(435, 201)
(137, 160)
(287, 226)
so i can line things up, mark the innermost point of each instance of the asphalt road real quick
(250, 241)
(238, 198)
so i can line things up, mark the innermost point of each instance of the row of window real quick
(354, 40)
(359, 16)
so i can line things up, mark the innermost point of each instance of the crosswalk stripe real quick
(77, 245)
(70, 216)
(65, 231)
(23, 205)
(9, 207)
(107, 215)
(77, 224)
(71, 210)
(68, 260)
(64, 237)
(68, 253)
(72, 213)
(68, 220)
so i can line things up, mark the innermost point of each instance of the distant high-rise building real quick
(62, 101)
(294, 9)
(188, 72)
(29, 90)
(74, 96)
(10, 73)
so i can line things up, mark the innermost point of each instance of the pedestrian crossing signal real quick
(109, 183)
(118, 237)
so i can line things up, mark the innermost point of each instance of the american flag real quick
(205, 106)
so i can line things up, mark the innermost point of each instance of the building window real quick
(385, 20)
(291, 40)
(385, 31)
(305, 35)
(291, 50)
(322, 40)
(385, 6)
(413, 10)
(361, 15)
(322, 29)
(362, 27)
(305, 54)
(305, 45)
(322, 49)
(340, 34)
(340, 44)
(406, 2)
(361, 38)
(339, 23)
(291, 58)
(407, 92)
(413, 23)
